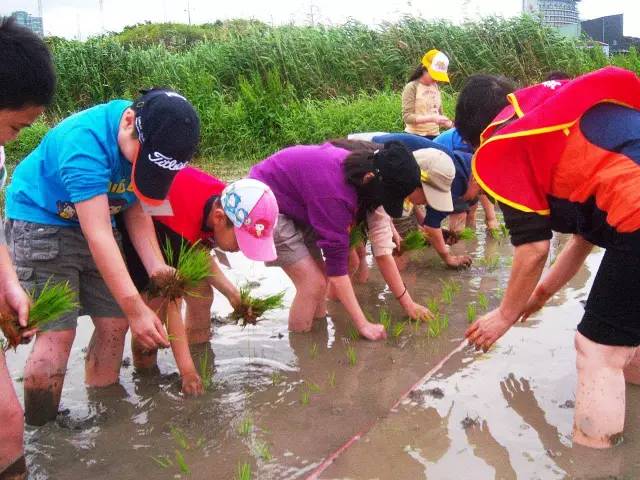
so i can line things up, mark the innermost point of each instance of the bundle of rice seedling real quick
(467, 234)
(54, 300)
(252, 308)
(357, 235)
(193, 266)
(414, 240)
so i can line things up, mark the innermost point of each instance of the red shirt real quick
(189, 194)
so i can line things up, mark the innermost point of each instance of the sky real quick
(83, 18)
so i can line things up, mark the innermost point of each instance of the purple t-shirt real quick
(308, 182)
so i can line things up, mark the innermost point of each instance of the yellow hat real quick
(437, 64)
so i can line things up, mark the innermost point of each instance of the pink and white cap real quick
(253, 210)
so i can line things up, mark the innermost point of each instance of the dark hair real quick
(215, 203)
(356, 166)
(417, 73)
(557, 75)
(481, 99)
(27, 77)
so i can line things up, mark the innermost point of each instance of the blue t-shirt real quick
(452, 140)
(461, 161)
(77, 160)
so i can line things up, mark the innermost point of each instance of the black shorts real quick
(135, 266)
(612, 313)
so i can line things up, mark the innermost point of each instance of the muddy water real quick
(281, 403)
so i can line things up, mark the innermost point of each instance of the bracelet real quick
(402, 294)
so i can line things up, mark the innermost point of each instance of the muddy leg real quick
(311, 288)
(16, 471)
(600, 395)
(44, 375)
(321, 309)
(104, 356)
(632, 370)
(198, 320)
(12, 421)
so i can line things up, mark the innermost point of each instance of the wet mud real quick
(280, 404)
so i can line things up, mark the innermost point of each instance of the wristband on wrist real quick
(402, 294)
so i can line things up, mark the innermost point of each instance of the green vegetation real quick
(193, 266)
(357, 235)
(449, 290)
(245, 427)
(276, 378)
(483, 301)
(468, 233)
(439, 324)
(305, 397)
(472, 312)
(244, 471)
(204, 370)
(53, 301)
(332, 379)
(252, 308)
(414, 240)
(352, 356)
(263, 451)
(398, 329)
(385, 319)
(182, 464)
(352, 333)
(313, 351)
(258, 88)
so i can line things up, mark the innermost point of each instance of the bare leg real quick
(144, 359)
(44, 375)
(489, 213)
(11, 419)
(457, 222)
(311, 288)
(104, 356)
(600, 395)
(198, 320)
(632, 370)
(321, 309)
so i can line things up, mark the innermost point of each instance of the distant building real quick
(610, 30)
(560, 14)
(29, 21)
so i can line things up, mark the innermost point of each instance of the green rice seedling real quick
(444, 322)
(243, 472)
(351, 356)
(54, 300)
(472, 312)
(182, 464)
(313, 351)
(435, 327)
(433, 305)
(192, 267)
(483, 301)
(312, 387)
(467, 234)
(358, 235)
(180, 438)
(263, 451)
(163, 461)
(305, 397)
(449, 290)
(414, 240)
(204, 371)
(385, 319)
(252, 308)
(276, 378)
(352, 333)
(397, 329)
(332, 379)
(504, 230)
(492, 262)
(245, 427)
(499, 293)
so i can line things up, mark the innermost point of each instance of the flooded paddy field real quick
(280, 404)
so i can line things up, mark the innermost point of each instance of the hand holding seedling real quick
(372, 331)
(192, 384)
(16, 300)
(485, 331)
(416, 311)
(147, 329)
(458, 261)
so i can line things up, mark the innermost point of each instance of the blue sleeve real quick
(434, 218)
(614, 128)
(83, 166)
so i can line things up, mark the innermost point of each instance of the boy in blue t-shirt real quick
(27, 82)
(60, 208)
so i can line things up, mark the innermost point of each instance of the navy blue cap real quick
(168, 130)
